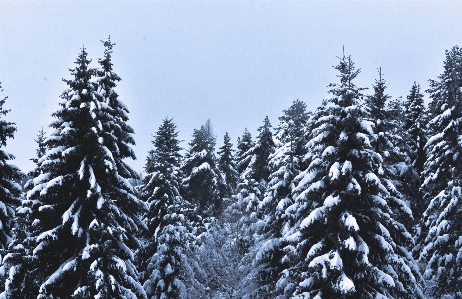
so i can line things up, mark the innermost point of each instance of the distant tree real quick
(89, 212)
(163, 257)
(415, 125)
(242, 155)
(203, 183)
(439, 243)
(41, 148)
(389, 144)
(118, 111)
(258, 167)
(346, 241)
(24, 275)
(227, 166)
(415, 134)
(10, 191)
(286, 163)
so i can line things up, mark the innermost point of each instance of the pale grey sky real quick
(231, 61)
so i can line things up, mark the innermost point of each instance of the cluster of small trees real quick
(357, 199)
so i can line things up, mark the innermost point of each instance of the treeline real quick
(360, 198)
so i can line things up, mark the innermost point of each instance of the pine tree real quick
(227, 166)
(389, 144)
(258, 167)
(287, 163)
(346, 242)
(440, 240)
(416, 138)
(41, 148)
(10, 191)
(163, 256)
(24, 275)
(242, 155)
(88, 216)
(107, 81)
(203, 183)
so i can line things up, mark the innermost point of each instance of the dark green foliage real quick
(9, 176)
(345, 241)
(286, 163)
(10, 190)
(415, 134)
(168, 230)
(203, 183)
(227, 166)
(439, 243)
(242, 155)
(88, 211)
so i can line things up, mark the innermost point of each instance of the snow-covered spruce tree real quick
(414, 128)
(441, 237)
(118, 111)
(163, 257)
(350, 245)
(24, 277)
(160, 187)
(243, 146)
(254, 177)
(415, 124)
(89, 212)
(10, 190)
(389, 144)
(287, 163)
(41, 148)
(227, 166)
(203, 183)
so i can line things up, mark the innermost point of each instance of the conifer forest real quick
(356, 199)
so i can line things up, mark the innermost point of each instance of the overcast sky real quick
(231, 61)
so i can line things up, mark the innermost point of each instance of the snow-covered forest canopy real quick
(356, 199)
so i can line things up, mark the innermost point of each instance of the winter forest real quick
(357, 199)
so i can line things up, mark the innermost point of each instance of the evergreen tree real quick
(227, 166)
(203, 183)
(287, 163)
(118, 111)
(416, 138)
(258, 167)
(88, 213)
(24, 275)
(41, 148)
(389, 144)
(346, 242)
(10, 191)
(163, 256)
(242, 155)
(415, 126)
(440, 243)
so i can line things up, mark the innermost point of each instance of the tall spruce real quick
(415, 133)
(24, 275)
(244, 144)
(10, 190)
(440, 243)
(227, 166)
(118, 112)
(89, 212)
(389, 144)
(286, 163)
(203, 183)
(164, 254)
(346, 242)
